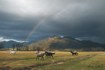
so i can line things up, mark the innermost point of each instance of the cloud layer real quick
(26, 19)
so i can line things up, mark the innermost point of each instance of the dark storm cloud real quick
(87, 24)
(83, 19)
(12, 26)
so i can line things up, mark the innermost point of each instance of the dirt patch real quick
(60, 63)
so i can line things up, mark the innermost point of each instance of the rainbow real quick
(43, 20)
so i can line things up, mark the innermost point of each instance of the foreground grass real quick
(92, 61)
(62, 61)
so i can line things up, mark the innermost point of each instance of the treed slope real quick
(59, 43)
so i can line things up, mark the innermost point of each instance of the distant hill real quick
(11, 44)
(66, 42)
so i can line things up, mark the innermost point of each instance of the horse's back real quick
(12, 52)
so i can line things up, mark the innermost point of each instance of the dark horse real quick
(49, 54)
(74, 52)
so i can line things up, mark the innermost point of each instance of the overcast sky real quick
(29, 19)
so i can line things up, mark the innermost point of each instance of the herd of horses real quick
(50, 54)
(47, 54)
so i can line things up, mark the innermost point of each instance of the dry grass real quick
(24, 59)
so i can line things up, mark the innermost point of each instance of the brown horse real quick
(49, 54)
(74, 52)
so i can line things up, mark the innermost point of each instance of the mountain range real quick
(56, 43)
(66, 42)
(11, 44)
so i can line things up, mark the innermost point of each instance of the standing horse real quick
(74, 52)
(40, 55)
(49, 54)
(12, 52)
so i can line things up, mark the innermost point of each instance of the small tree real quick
(38, 49)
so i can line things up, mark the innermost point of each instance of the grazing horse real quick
(49, 54)
(40, 55)
(74, 52)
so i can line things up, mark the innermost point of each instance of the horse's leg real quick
(42, 58)
(76, 54)
(47, 56)
(36, 58)
(52, 56)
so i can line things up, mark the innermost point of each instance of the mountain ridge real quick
(55, 43)
(66, 42)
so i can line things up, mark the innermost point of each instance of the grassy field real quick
(25, 60)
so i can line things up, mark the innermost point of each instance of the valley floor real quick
(25, 60)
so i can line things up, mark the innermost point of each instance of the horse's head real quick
(46, 52)
(71, 51)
